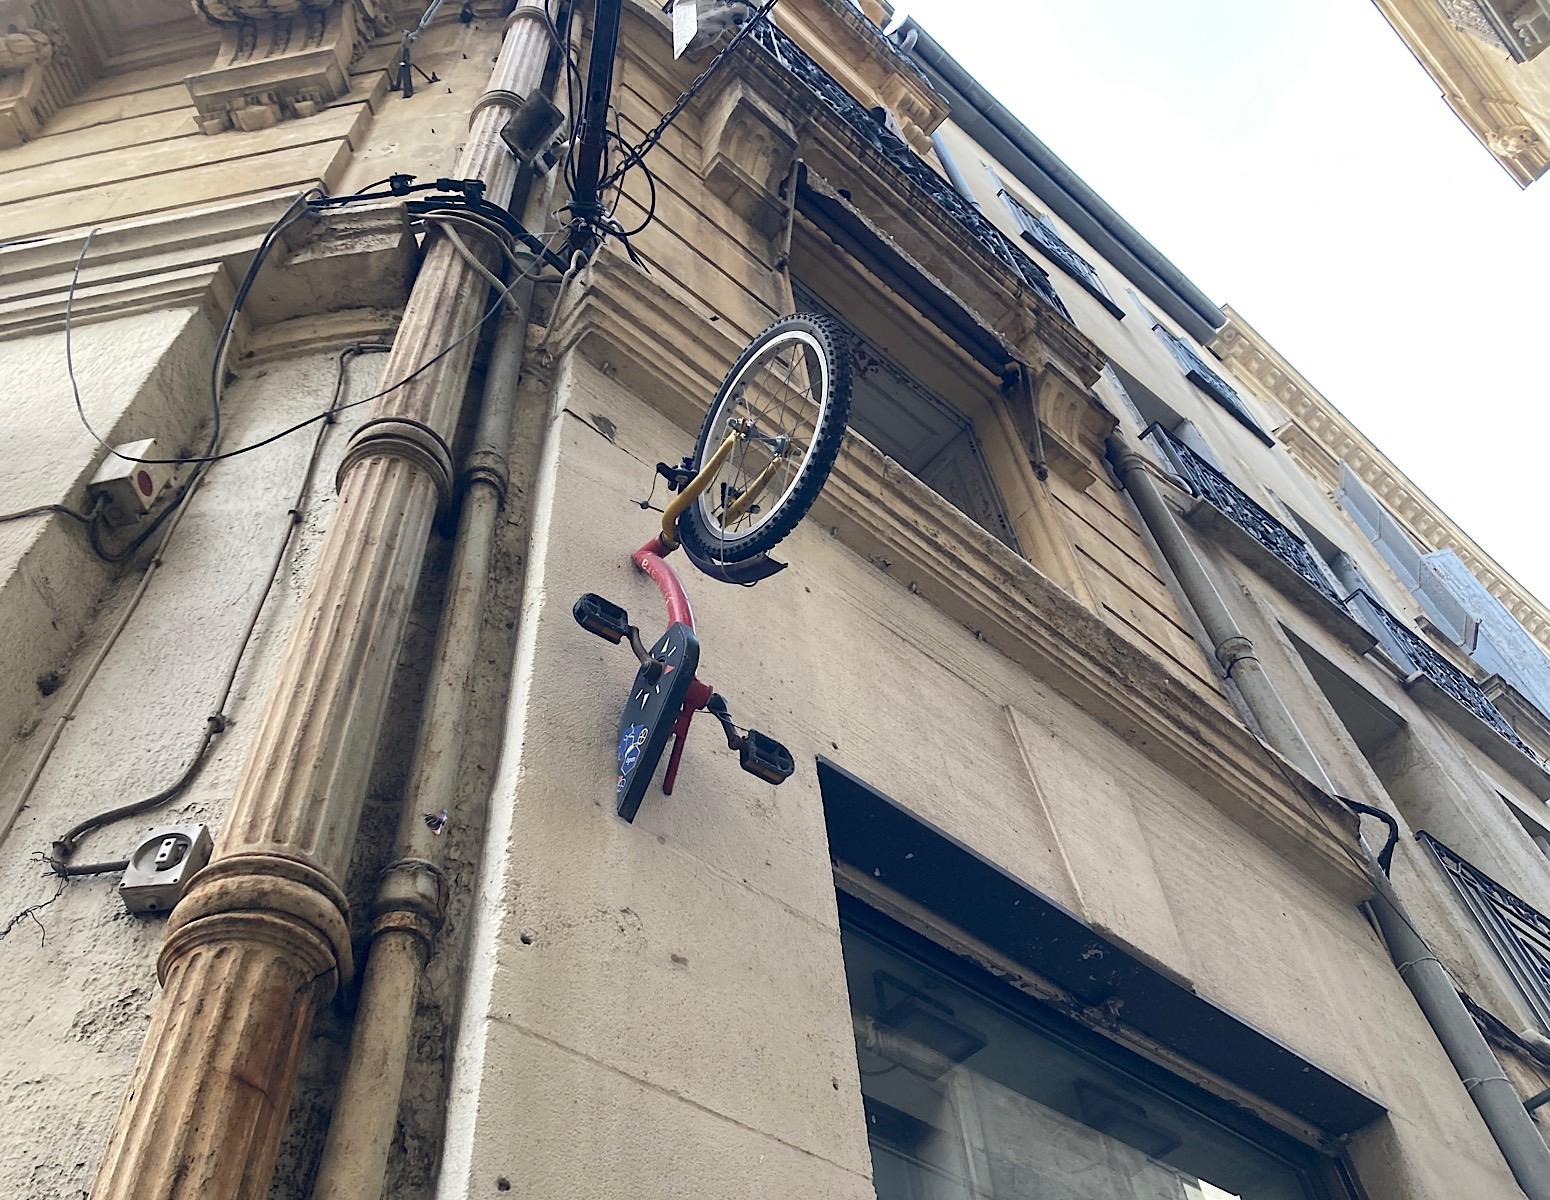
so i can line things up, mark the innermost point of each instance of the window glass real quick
(919, 430)
(967, 1099)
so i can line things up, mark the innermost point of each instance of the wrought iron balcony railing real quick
(1037, 229)
(1411, 651)
(893, 148)
(1208, 381)
(1208, 483)
(1517, 931)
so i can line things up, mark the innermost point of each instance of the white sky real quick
(1293, 159)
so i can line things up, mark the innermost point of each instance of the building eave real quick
(1041, 170)
(1322, 437)
(1477, 87)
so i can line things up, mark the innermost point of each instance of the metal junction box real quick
(163, 863)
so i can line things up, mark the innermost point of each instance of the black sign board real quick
(655, 700)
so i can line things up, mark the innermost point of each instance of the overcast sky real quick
(1293, 159)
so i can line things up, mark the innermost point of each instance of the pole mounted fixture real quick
(585, 206)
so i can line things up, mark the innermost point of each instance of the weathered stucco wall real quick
(679, 977)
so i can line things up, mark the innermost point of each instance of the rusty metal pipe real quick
(411, 894)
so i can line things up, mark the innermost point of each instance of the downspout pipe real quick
(262, 937)
(1503, 1111)
(411, 897)
(950, 165)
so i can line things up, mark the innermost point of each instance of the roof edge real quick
(1043, 172)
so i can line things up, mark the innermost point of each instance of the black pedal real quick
(602, 617)
(765, 757)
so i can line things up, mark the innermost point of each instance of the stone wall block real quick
(748, 150)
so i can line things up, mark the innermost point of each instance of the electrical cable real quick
(38, 510)
(293, 213)
(329, 415)
(392, 387)
(65, 845)
(643, 147)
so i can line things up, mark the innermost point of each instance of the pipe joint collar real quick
(487, 466)
(1234, 650)
(405, 438)
(414, 886)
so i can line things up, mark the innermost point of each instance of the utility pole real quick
(585, 206)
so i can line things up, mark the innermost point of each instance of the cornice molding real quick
(1477, 84)
(279, 59)
(615, 316)
(44, 60)
(1320, 438)
(358, 258)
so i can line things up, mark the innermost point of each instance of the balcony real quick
(1209, 382)
(897, 152)
(1229, 513)
(1038, 230)
(1517, 931)
(1415, 657)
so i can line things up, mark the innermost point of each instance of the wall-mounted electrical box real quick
(126, 488)
(162, 865)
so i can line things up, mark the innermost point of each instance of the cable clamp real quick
(401, 437)
(217, 722)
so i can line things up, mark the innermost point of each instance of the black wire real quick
(643, 147)
(293, 213)
(325, 414)
(64, 846)
(37, 510)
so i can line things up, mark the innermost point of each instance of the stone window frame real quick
(941, 364)
(900, 878)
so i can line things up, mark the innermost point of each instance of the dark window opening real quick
(1039, 231)
(972, 1091)
(1208, 381)
(919, 430)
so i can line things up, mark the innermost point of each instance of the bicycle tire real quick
(834, 416)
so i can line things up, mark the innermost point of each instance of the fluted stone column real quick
(262, 937)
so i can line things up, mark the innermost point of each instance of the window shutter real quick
(1383, 530)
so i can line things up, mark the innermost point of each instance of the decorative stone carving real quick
(278, 59)
(1513, 141)
(34, 76)
(748, 150)
(1074, 425)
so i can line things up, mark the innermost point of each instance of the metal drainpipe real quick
(411, 894)
(262, 937)
(950, 164)
(1510, 1125)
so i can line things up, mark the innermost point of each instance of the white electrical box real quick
(126, 488)
(160, 869)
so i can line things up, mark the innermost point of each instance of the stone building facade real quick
(1104, 692)
(1487, 57)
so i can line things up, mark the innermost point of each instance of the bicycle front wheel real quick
(784, 407)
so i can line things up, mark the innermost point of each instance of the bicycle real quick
(773, 430)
